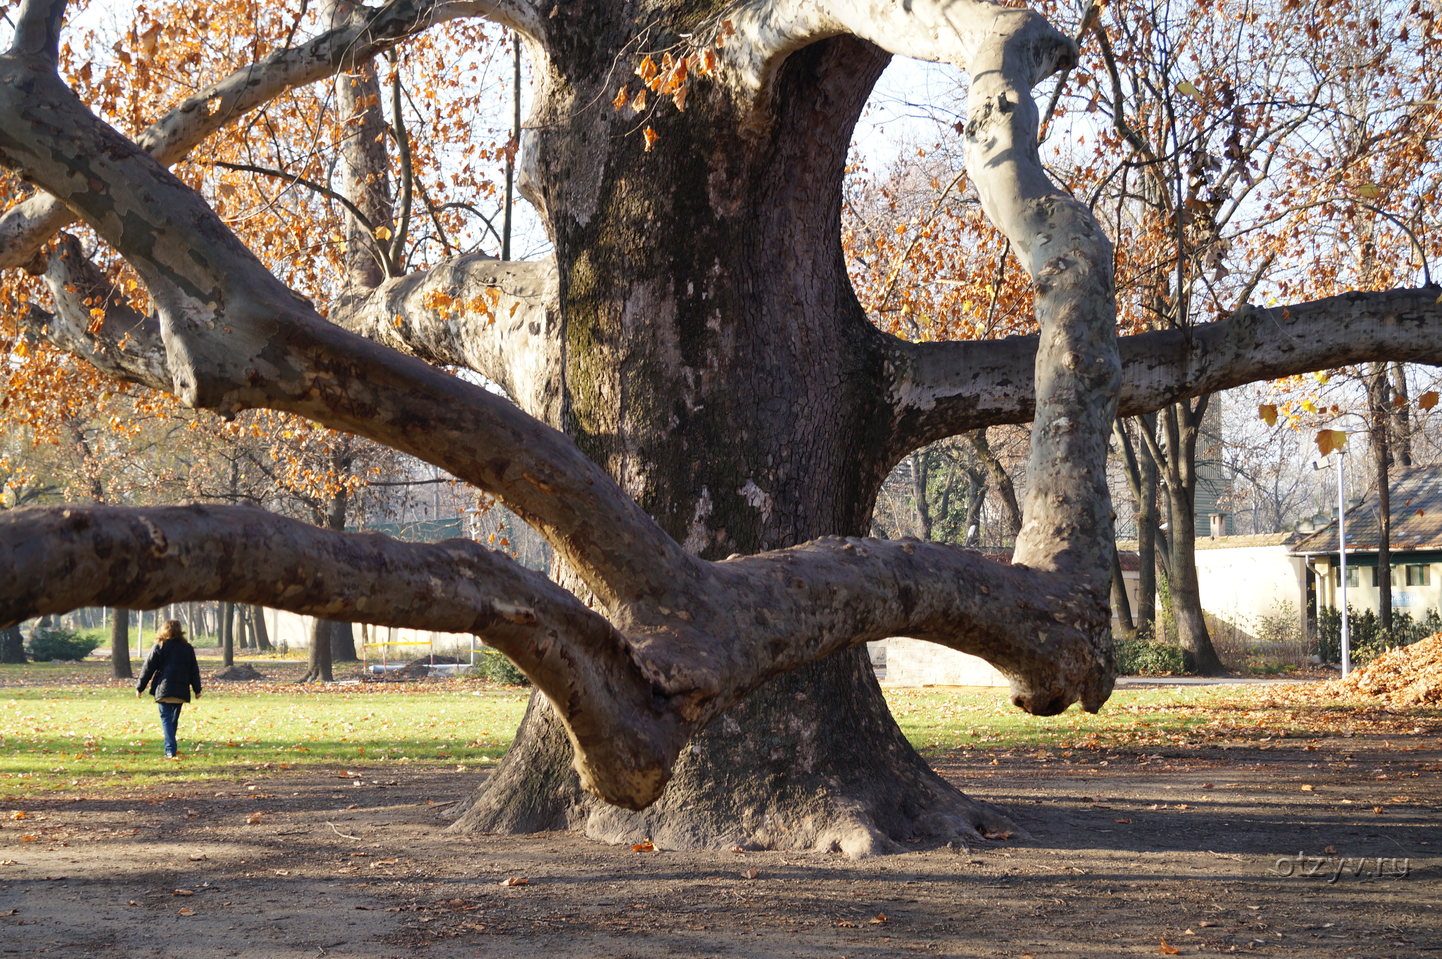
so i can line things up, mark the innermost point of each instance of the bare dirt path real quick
(1130, 854)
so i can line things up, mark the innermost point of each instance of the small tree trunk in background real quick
(120, 644)
(12, 645)
(920, 480)
(1379, 399)
(242, 626)
(227, 634)
(320, 667)
(1183, 424)
(342, 643)
(1000, 481)
(1121, 604)
(262, 635)
(1401, 416)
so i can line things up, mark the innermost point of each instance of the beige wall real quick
(1243, 584)
(914, 662)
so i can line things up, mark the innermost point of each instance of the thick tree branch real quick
(497, 318)
(92, 320)
(25, 227)
(802, 604)
(941, 389)
(942, 31)
(236, 337)
(625, 734)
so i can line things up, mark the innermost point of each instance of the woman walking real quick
(171, 672)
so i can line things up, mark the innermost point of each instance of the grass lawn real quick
(70, 727)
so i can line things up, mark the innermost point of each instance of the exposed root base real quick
(771, 774)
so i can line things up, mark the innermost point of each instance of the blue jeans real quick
(169, 720)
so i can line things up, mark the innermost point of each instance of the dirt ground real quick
(1320, 848)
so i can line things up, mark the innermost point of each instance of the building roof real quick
(1239, 542)
(1416, 518)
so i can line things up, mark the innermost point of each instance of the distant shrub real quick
(50, 643)
(499, 669)
(1144, 657)
(1368, 640)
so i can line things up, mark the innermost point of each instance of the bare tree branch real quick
(92, 320)
(631, 693)
(497, 318)
(941, 389)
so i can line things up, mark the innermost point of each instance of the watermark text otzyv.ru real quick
(1333, 868)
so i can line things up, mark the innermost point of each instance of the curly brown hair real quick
(171, 629)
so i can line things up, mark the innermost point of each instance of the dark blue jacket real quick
(171, 671)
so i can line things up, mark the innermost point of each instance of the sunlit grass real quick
(88, 736)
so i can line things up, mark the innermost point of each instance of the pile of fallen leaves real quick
(1407, 676)
(239, 673)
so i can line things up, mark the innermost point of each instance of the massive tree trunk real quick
(813, 759)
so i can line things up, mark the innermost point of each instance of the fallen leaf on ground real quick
(187, 911)
(1167, 950)
(647, 846)
(878, 920)
(182, 892)
(515, 881)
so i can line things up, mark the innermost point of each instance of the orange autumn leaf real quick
(1427, 400)
(1330, 441)
(647, 846)
(1167, 950)
(1268, 413)
(651, 137)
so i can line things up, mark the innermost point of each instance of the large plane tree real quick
(697, 412)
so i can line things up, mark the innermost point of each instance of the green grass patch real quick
(88, 737)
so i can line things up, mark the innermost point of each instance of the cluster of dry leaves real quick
(1407, 676)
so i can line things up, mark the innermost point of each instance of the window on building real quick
(1416, 574)
(1353, 579)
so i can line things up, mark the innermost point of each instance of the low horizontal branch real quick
(626, 732)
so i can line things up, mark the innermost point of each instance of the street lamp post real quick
(1342, 561)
